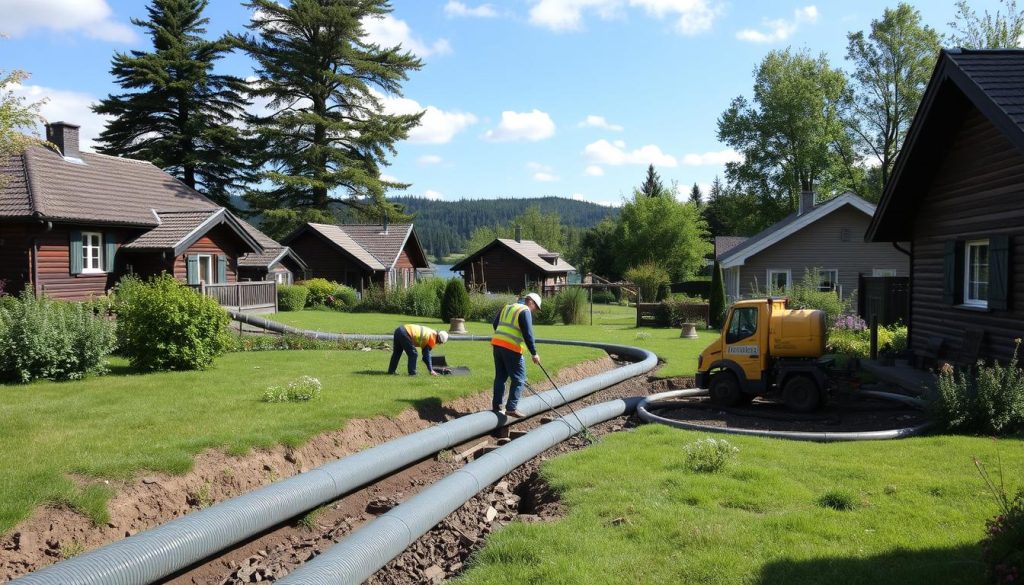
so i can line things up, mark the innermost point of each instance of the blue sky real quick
(571, 98)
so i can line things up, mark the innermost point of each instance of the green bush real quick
(857, 343)
(649, 278)
(423, 298)
(164, 325)
(483, 307)
(717, 303)
(291, 297)
(708, 455)
(1002, 549)
(56, 340)
(805, 295)
(673, 313)
(379, 299)
(455, 304)
(990, 401)
(572, 305)
(327, 293)
(605, 297)
(548, 313)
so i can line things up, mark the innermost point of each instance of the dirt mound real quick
(54, 532)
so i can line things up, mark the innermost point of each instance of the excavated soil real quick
(157, 498)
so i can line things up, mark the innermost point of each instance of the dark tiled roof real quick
(999, 74)
(725, 243)
(262, 259)
(339, 238)
(528, 249)
(175, 227)
(384, 246)
(263, 239)
(100, 188)
(14, 196)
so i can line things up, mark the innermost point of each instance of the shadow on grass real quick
(936, 565)
(372, 373)
(123, 370)
(433, 410)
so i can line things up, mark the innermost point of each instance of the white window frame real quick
(968, 300)
(835, 281)
(211, 272)
(771, 281)
(876, 272)
(90, 253)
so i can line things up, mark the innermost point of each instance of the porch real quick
(901, 374)
(247, 297)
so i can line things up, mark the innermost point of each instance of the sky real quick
(523, 98)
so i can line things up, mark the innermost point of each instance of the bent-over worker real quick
(407, 339)
(513, 329)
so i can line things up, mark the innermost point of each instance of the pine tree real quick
(652, 186)
(717, 301)
(327, 136)
(696, 197)
(177, 113)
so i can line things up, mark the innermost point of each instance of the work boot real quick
(516, 413)
(499, 409)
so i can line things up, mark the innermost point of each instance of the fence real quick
(251, 297)
(885, 297)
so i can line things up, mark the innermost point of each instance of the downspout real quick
(910, 293)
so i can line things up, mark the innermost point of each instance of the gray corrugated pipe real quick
(180, 543)
(644, 412)
(368, 549)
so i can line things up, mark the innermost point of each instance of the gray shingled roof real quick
(725, 243)
(337, 236)
(14, 196)
(528, 249)
(1000, 74)
(101, 188)
(174, 228)
(384, 246)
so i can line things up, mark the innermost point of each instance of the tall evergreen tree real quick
(327, 135)
(652, 186)
(696, 197)
(177, 113)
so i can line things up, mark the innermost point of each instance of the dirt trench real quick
(53, 532)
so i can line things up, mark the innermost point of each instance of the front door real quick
(743, 341)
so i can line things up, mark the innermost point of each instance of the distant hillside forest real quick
(444, 227)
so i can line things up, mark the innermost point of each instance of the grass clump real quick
(838, 500)
(302, 390)
(709, 455)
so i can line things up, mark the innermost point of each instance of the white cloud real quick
(579, 197)
(433, 195)
(67, 106)
(693, 16)
(606, 153)
(531, 126)
(437, 126)
(712, 158)
(779, 29)
(542, 173)
(593, 121)
(456, 9)
(90, 17)
(593, 171)
(430, 159)
(388, 31)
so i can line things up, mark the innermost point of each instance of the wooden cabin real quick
(514, 265)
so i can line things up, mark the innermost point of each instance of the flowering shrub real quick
(849, 323)
(1002, 549)
(301, 390)
(857, 342)
(991, 401)
(709, 455)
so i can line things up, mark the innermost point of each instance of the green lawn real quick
(119, 425)
(612, 324)
(636, 514)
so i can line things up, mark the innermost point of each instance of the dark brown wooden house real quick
(73, 223)
(957, 194)
(514, 265)
(360, 255)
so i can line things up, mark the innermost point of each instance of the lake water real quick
(444, 271)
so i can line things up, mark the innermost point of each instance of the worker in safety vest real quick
(407, 339)
(513, 328)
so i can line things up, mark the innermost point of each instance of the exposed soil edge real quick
(156, 498)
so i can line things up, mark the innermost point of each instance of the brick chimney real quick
(519, 233)
(65, 137)
(806, 202)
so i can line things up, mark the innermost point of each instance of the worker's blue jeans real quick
(402, 344)
(508, 364)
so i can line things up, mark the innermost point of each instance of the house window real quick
(778, 281)
(883, 272)
(976, 273)
(207, 275)
(92, 253)
(828, 280)
(283, 277)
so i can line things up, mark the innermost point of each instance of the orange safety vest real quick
(508, 334)
(422, 337)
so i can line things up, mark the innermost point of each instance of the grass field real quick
(122, 424)
(638, 515)
(612, 324)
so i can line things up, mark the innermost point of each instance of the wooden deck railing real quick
(253, 297)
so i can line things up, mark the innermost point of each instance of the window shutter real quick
(998, 272)
(192, 269)
(109, 251)
(222, 268)
(950, 276)
(75, 252)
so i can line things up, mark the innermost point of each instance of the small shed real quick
(514, 265)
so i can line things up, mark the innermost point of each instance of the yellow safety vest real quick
(422, 336)
(508, 334)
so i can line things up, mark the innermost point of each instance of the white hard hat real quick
(535, 298)
(442, 336)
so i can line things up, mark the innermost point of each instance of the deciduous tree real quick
(991, 31)
(661, 230)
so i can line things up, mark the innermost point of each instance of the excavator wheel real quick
(724, 389)
(801, 394)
